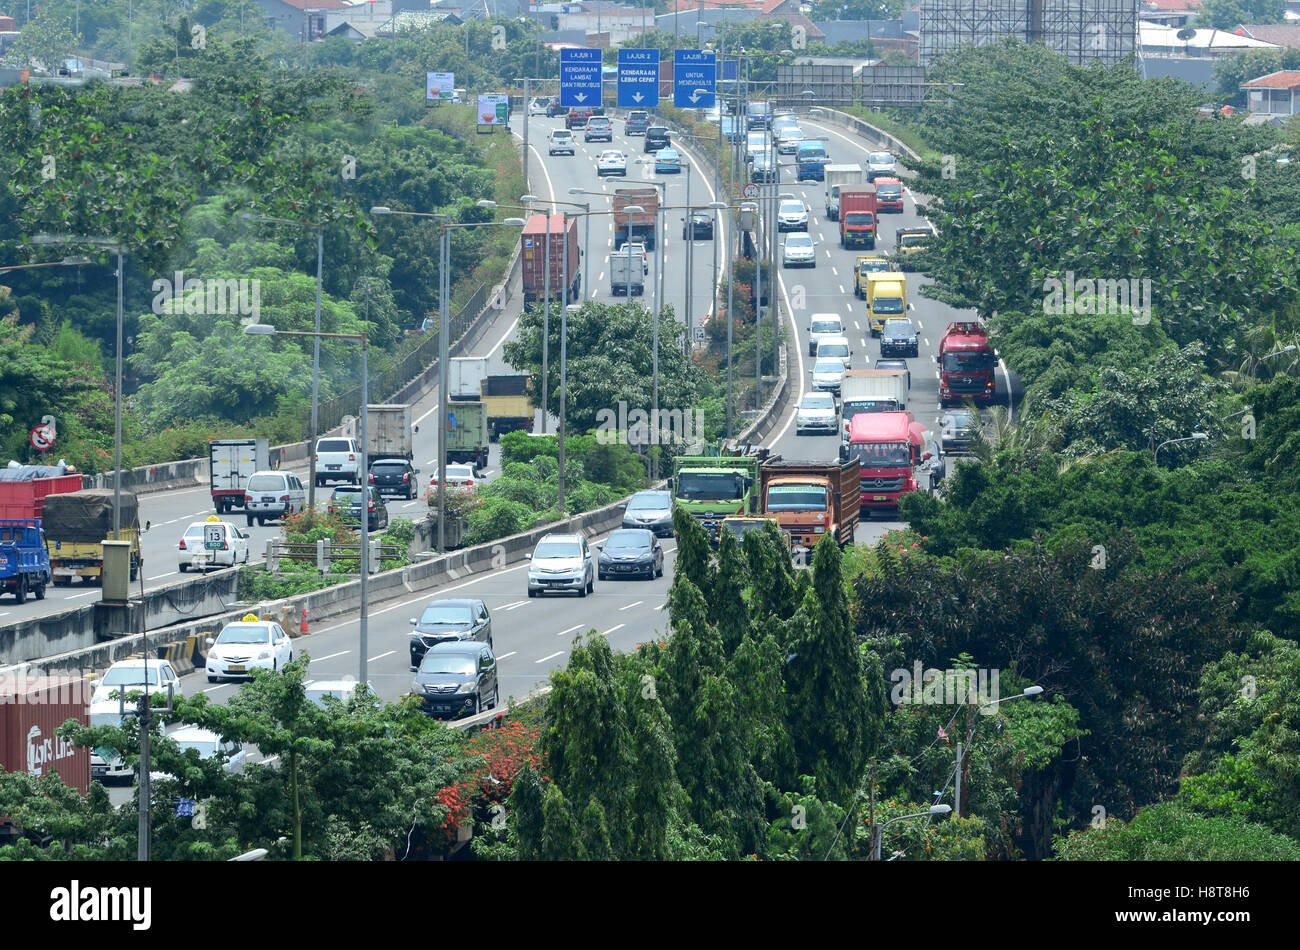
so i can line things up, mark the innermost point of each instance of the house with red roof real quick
(1276, 94)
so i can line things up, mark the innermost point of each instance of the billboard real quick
(439, 86)
(493, 109)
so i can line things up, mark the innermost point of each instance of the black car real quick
(457, 678)
(555, 109)
(656, 138)
(899, 338)
(449, 621)
(764, 170)
(698, 228)
(896, 364)
(630, 552)
(346, 500)
(394, 477)
(958, 427)
(652, 510)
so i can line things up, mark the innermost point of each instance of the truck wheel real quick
(261, 521)
(250, 521)
(135, 570)
(39, 591)
(20, 591)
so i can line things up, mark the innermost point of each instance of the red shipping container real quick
(32, 707)
(26, 499)
(533, 252)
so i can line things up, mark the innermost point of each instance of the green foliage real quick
(1228, 14)
(1171, 832)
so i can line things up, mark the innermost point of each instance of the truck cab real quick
(864, 265)
(812, 159)
(858, 222)
(812, 499)
(24, 559)
(967, 365)
(888, 446)
(712, 487)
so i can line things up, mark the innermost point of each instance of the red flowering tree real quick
(493, 760)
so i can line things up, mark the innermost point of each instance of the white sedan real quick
(209, 745)
(816, 413)
(611, 162)
(195, 553)
(245, 645)
(458, 476)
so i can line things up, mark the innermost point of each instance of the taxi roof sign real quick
(250, 618)
(211, 518)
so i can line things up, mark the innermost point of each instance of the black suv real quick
(394, 477)
(447, 620)
(457, 679)
(699, 227)
(656, 138)
(347, 502)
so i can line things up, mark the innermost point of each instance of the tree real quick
(1228, 14)
(832, 726)
(1171, 832)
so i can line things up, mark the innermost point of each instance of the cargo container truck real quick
(465, 375)
(635, 227)
(565, 285)
(889, 446)
(871, 390)
(230, 464)
(712, 487)
(839, 177)
(76, 525)
(24, 488)
(467, 434)
(508, 408)
(32, 708)
(389, 431)
(858, 217)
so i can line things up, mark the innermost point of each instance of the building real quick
(1280, 34)
(302, 19)
(885, 35)
(1175, 13)
(1277, 94)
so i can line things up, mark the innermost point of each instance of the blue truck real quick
(812, 160)
(24, 559)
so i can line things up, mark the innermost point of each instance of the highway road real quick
(534, 636)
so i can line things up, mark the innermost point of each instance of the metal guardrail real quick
(323, 553)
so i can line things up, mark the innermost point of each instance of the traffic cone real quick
(302, 627)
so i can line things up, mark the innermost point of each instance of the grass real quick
(895, 127)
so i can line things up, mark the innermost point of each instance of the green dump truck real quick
(712, 487)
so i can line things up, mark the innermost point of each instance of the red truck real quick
(534, 259)
(22, 496)
(966, 364)
(888, 446)
(889, 194)
(858, 216)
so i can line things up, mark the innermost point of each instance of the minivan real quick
(656, 138)
(560, 140)
(269, 496)
(834, 346)
(338, 460)
(636, 123)
(561, 562)
(599, 129)
(822, 326)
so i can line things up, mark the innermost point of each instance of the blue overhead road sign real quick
(729, 70)
(695, 78)
(638, 78)
(580, 72)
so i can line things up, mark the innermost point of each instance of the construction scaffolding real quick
(1081, 30)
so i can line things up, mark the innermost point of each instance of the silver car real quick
(799, 250)
(792, 216)
(788, 140)
(561, 562)
(816, 413)
(881, 165)
(828, 375)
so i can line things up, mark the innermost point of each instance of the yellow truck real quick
(76, 525)
(886, 297)
(868, 264)
(508, 408)
(908, 241)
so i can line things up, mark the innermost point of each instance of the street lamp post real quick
(315, 355)
(1194, 437)
(266, 329)
(963, 754)
(444, 329)
(1291, 348)
(114, 245)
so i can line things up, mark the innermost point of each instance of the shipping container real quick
(388, 431)
(534, 258)
(508, 408)
(25, 498)
(635, 227)
(464, 376)
(31, 709)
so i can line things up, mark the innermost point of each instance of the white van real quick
(822, 326)
(269, 496)
(834, 346)
(338, 460)
(560, 140)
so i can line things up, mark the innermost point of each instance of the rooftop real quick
(1283, 79)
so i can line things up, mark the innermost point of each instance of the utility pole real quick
(527, 122)
(546, 326)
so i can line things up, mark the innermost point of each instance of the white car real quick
(828, 375)
(537, 107)
(816, 413)
(834, 347)
(560, 140)
(458, 476)
(245, 645)
(208, 745)
(338, 460)
(881, 165)
(195, 553)
(611, 162)
(131, 676)
(269, 496)
(821, 326)
(799, 250)
(341, 690)
(788, 139)
(792, 215)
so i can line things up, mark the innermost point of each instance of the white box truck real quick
(388, 431)
(871, 390)
(230, 463)
(836, 177)
(465, 374)
(621, 265)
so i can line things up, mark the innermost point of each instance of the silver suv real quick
(599, 128)
(338, 460)
(561, 562)
(272, 495)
